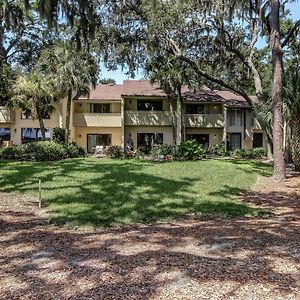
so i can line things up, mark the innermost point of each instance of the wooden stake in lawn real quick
(40, 193)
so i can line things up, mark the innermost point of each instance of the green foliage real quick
(107, 81)
(11, 152)
(114, 152)
(73, 150)
(219, 150)
(160, 151)
(42, 151)
(190, 150)
(7, 75)
(249, 153)
(59, 135)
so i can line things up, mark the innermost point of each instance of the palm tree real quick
(74, 71)
(171, 75)
(35, 92)
(292, 107)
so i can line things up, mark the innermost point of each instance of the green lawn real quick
(107, 192)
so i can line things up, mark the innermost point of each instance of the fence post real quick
(40, 193)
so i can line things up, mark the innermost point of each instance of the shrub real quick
(42, 151)
(192, 150)
(11, 152)
(59, 135)
(74, 151)
(189, 150)
(114, 152)
(248, 153)
(260, 152)
(159, 151)
(219, 150)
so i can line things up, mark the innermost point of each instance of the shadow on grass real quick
(109, 192)
(252, 166)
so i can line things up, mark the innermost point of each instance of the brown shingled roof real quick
(216, 96)
(104, 92)
(144, 88)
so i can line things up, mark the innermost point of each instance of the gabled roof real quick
(216, 96)
(143, 88)
(104, 92)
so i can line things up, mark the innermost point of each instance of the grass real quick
(97, 192)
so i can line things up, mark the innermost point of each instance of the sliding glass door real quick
(94, 140)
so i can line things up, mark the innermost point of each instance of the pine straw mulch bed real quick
(241, 258)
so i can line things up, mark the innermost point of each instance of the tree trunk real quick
(41, 123)
(2, 49)
(295, 142)
(68, 115)
(180, 129)
(277, 102)
(269, 144)
(173, 118)
(287, 143)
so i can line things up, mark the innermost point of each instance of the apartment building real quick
(136, 108)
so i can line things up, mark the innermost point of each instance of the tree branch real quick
(216, 80)
(290, 33)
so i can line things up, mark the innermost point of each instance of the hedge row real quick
(42, 151)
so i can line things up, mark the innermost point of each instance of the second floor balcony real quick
(204, 120)
(148, 118)
(97, 120)
(6, 115)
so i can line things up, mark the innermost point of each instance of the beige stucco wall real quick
(215, 134)
(19, 123)
(165, 130)
(82, 132)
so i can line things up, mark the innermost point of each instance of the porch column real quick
(225, 126)
(122, 124)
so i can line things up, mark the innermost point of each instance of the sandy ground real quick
(241, 258)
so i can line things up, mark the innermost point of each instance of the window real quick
(200, 138)
(100, 108)
(147, 140)
(149, 105)
(34, 135)
(94, 140)
(4, 135)
(197, 109)
(235, 141)
(235, 117)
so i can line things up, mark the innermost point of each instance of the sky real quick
(119, 74)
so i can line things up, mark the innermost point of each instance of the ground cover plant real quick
(105, 192)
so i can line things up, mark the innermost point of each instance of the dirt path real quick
(247, 258)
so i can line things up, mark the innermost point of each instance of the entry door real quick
(236, 140)
(257, 139)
